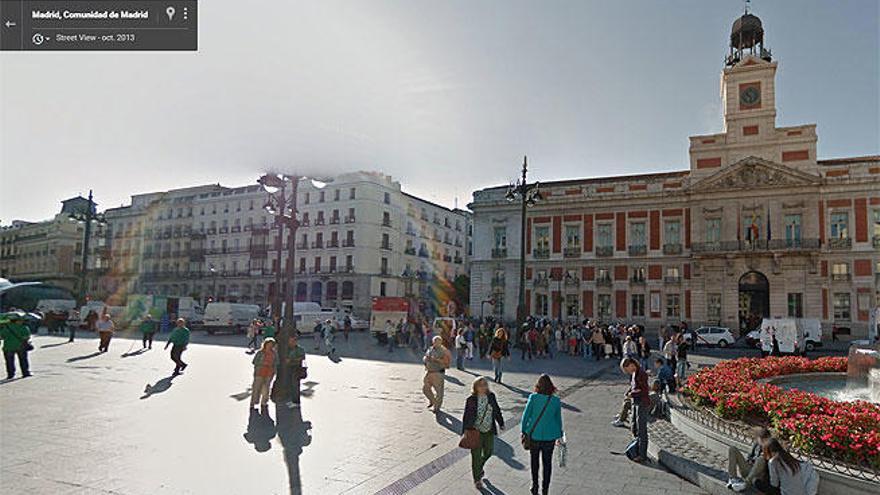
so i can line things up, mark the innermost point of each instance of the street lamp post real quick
(284, 210)
(87, 218)
(528, 195)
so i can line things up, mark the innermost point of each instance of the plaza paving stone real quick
(84, 424)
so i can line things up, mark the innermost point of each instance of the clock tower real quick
(748, 81)
(748, 96)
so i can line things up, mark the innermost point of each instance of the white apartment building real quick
(360, 237)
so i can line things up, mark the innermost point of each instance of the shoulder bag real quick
(470, 439)
(526, 438)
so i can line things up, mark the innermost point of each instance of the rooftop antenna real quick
(746, 6)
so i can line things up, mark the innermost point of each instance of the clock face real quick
(750, 95)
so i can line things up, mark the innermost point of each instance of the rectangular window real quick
(351, 193)
(541, 304)
(638, 305)
(382, 289)
(321, 197)
(751, 225)
(637, 234)
(572, 236)
(673, 305)
(713, 307)
(602, 275)
(876, 214)
(840, 225)
(387, 198)
(840, 269)
(795, 305)
(842, 306)
(500, 237)
(713, 230)
(336, 195)
(639, 273)
(672, 232)
(542, 238)
(604, 238)
(604, 306)
(307, 198)
(792, 230)
(572, 308)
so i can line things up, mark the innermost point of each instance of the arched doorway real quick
(754, 300)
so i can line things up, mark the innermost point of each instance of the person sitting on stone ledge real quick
(751, 470)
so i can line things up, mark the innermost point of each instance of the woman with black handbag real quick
(481, 414)
(541, 430)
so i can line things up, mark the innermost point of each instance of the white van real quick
(789, 336)
(229, 317)
(812, 332)
(55, 305)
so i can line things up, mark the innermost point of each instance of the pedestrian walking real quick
(178, 340)
(346, 327)
(437, 359)
(460, 351)
(105, 327)
(148, 330)
(16, 343)
(469, 336)
(481, 415)
(72, 323)
(641, 404)
(318, 334)
(644, 352)
(253, 330)
(296, 366)
(630, 348)
(390, 335)
(265, 362)
(681, 361)
(499, 349)
(329, 337)
(541, 427)
(670, 351)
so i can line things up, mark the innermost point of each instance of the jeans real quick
(71, 328)
(176, 353)
(681, 370)
(641, 409)
(295, 391)
(542, 452)
(459, 358)
(481, 454)
(9, 356)
(496, 367)
(148, 339)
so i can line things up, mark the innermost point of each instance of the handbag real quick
(470, 439)
(302, 373)
(526, 438)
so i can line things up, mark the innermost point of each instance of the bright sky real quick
(445, 95)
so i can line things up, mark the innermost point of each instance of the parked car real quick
(231, 317)
(719, 336)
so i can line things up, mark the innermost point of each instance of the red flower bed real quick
(847, 431)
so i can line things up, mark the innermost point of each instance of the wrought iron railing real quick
(740, 433)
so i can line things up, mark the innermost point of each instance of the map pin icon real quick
(170, 11)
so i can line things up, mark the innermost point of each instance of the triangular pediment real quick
(754, 173)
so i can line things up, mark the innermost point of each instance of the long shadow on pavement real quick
(491, 489)
(295, 434)
(48, 346)
(260, 430)
(505, 452)
(133, 353)
(85, 356)
(159, 387)
(449, 422)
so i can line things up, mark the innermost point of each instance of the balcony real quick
(672, 280)
(604, 282)
(302, 245)
(756, 245)
(410, 251)
(637, 250)
(224, 230)
(333, 243)
(318, 245)
(347, 269)
(423, 254)
(386, 246)
(840, 243)
(541, 281)
(840, 277)
(674, 248)
(604, 251)
(541, 253)
(386, 223)
(876, 241)
(458, 260)
(334, 220)
(236, 229)
(571, 252)
(499, 252)
(349, 219)
(572, 281)
(637, 280)
(348, 243)
(319, 221)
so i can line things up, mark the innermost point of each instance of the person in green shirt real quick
(269, 331)
(178, 340)
(16, 342)
(296, 365)
(148, 328)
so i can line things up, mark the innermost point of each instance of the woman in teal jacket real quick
(542, 421)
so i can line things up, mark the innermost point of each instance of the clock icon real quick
(750, 96)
